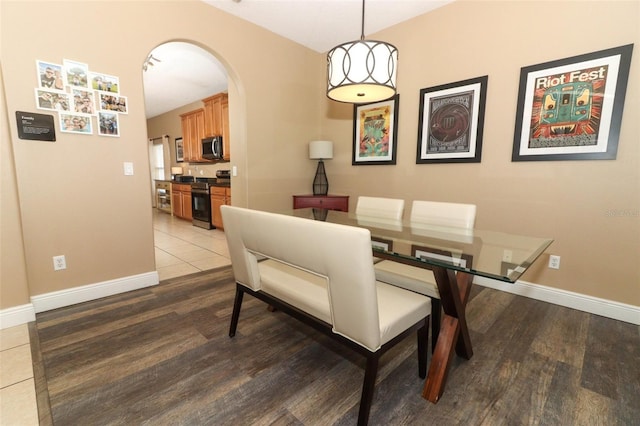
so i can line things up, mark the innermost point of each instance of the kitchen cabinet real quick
(212, 120)
(181, 200)
(193, 131)
(329, 202)
(219, 196)
(216, 120)
(226, 138)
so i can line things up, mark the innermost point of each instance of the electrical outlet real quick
(554, 262)
(59, 262)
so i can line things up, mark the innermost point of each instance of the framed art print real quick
(179, 150)
(451, 120)
(104, 82)
(571, 109)
(50, 76)
(108, 124)
(75, 123)
(83, 101)
(110, 102)
(52, 100)
(375, 132)
(76, 74)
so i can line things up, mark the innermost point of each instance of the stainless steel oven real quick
(201, 205)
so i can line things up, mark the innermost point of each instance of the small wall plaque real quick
(36, 127)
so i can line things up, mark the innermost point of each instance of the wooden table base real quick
(454, 291)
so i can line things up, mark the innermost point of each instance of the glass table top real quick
(492, 254)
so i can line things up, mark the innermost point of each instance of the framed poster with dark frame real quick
(179, 150)
(451, 121)
(375, 132)
(571, 109)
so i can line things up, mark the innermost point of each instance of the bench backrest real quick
(340, 253)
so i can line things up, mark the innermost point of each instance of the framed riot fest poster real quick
(571, 109)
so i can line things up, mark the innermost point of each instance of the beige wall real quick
(74, 199)
(14, 288)
(565, 200)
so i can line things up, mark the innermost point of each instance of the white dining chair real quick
(379, 212)
(378, 207)
(453, 216)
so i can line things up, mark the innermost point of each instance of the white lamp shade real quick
(176, 170)
(320, 150)
(362, 71)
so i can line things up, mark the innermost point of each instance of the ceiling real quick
(185, 73)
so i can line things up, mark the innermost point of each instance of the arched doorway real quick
(177, 76)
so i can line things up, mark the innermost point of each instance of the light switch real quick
(128, 169)
(234, 171)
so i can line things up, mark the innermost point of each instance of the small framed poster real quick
(451, 121)
(375, 132)
(179, 150)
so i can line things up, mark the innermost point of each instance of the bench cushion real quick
(398, 310)
(308, 292)
(302, 289)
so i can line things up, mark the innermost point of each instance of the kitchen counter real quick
(210, 181)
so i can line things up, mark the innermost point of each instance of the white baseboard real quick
(85, 293)
(17, 315)
(581, 302)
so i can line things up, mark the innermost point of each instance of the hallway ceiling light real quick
(362, 71)
(149, 62)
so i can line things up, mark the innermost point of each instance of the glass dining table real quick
(454, 256)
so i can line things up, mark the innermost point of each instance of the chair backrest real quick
(387, 208)
(453, 215)
(340, 253)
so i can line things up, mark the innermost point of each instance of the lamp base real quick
(320, 182)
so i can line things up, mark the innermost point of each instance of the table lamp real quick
(320, 150)
(175, 171)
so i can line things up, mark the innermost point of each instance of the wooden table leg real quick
(454, 293)
(439, 367)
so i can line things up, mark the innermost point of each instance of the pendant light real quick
(362, 71)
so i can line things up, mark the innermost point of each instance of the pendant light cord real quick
(362, 34)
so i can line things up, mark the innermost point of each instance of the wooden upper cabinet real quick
(193, 131)
(212, 120)
(226, 139)
(213, 114)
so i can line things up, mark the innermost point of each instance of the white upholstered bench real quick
(322, 274)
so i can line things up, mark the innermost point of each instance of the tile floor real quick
(17, 388)
(180, 249)
(183, 249)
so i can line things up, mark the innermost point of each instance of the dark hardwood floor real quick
(162, 356)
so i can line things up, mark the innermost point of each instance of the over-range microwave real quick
(212, 148)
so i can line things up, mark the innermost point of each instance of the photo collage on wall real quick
(77, 95)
